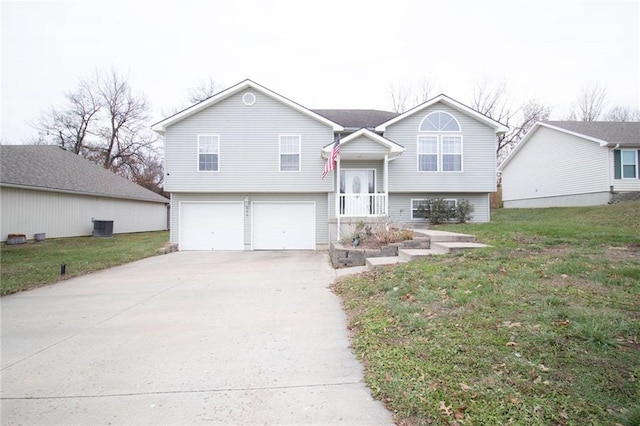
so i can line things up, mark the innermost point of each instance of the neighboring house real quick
(244, 168)
(45, 189)
(572, 163)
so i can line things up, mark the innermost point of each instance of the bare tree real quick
(203, 90)
(490, 99)
(106, 122)
(70, 126)
(623, 113)
(406, 95)
(590, 103)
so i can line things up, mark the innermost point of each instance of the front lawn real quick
(34, 264)
(543, 328)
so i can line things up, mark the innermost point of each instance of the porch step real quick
(372, 262)
(444, 236)
(454, 247)
(413, 254)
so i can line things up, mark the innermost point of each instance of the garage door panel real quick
(284, 226)
(212, 226)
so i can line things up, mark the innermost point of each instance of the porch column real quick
(337, 198)
(385, 182)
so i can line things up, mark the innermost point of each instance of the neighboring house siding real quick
(479, 167)
(556, 164)
(26, 211)
(249, 148)
(624, 185)
(320, 200)
(400, 205)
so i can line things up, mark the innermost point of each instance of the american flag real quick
(331, 161)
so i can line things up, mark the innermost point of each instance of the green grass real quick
(34, 264)
(542, 328)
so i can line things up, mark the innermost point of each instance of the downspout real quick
(337, 198)
(611, 192)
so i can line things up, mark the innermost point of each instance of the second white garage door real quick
(211, 226)
(284, 226)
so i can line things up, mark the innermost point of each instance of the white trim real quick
(498, 127)
(394, 148)
(455, 204)
(280, 152)
(440, 151)
(635, 163)
(161, 126)
(315, 217)
(532, 131)
(181, 228)
(440, 130)
(198, 152)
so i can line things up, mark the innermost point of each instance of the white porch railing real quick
(362, 205)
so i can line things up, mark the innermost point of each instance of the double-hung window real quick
(439, 143)
(629, 161)
(289, 153)
(208, 153)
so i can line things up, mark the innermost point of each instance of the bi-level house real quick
(244, 168)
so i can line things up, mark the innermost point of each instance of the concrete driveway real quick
(185, 338)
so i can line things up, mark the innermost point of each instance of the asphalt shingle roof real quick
(624, 133)
(53, 168)
(356, 118)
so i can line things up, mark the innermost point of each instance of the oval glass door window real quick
(356, 185)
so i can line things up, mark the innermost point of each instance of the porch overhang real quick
(365, 145)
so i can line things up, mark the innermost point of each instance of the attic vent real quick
(248, 99)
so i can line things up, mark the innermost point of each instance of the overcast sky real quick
(321, 54)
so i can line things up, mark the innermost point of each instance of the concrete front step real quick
(412, 254)
(372, 262)
(444, 236)
(453, 247)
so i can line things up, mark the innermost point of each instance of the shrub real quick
(463, 211)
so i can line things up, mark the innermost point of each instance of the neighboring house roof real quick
(161, 126)
(357, 118)
(51, 168)
(605, 133)
(611, 132)
(498, 127)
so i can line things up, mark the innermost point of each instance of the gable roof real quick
(394, 148)
(162, 125)
(604, 133)
(51, 168)
(498, 127)
(610, 132)
(357, 118)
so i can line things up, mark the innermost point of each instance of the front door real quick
(357, 184)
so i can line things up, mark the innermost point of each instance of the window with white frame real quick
(420, 208)
(629, 162)
(208, 153)
(289, 153)
(428, 153)
(440, 143)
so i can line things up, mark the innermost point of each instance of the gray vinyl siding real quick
(320, 200)
(478, 157)
(363, 145)
(58, 215)
(249, 148)
(400, 205)
(553, 164)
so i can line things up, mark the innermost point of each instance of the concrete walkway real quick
(185, 338)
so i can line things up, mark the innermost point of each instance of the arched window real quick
(439, 121)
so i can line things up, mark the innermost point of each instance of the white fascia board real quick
(498, 127)
(393, 147)
(580, 135)
(161, 126)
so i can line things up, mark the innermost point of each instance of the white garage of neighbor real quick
(211, 226)
(284, 225)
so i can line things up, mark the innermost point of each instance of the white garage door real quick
(211, 226)
(284, 226)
